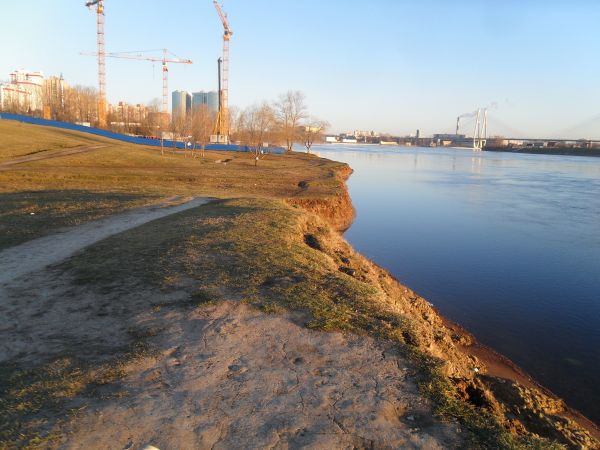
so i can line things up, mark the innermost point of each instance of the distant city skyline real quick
(384, 65)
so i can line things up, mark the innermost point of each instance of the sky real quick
(392, 66)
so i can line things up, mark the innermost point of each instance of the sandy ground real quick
(7, 165)
(225, 375)
(34, 255)
(234, 377)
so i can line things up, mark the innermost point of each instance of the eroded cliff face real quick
(337, 209)
(508, 396)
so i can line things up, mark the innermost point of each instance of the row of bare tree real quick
(284, 122)
(73, 104)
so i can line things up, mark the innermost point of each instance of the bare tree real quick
(203, 120)
(290, 110)
(178, 128)
(150, 124)
(312, 132)
(13, 103)
(256, 126)
(234, 119)
(84, 104)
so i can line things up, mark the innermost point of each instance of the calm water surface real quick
(506, 245)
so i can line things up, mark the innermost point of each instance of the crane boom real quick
(223, 18)
(222, 125)
(167, 57)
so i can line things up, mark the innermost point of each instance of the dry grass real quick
(73, 189)
(19, 139)
(136, 169)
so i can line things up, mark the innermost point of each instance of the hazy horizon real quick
(387, 66)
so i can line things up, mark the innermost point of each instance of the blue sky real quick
(387, 65)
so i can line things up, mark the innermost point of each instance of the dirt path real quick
(35, 255)
(7, 165)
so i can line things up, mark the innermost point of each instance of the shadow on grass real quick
(29, 215)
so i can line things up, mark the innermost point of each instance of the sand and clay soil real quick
(221, 375)
(234, 377)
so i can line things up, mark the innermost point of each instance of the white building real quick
(24, 91)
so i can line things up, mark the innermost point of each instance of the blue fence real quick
(124, 137)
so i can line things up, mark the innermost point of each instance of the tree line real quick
(282, 123)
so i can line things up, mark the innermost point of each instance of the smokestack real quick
(457, 124)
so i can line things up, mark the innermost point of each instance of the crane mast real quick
(222, 124)
(101, 60)
(165, 87)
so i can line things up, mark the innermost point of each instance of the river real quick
(507, 245)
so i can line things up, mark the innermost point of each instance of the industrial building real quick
(210, 99)
(452, 140)
(181, 104)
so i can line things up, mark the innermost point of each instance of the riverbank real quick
(159, 316)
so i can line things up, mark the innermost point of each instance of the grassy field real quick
(19, 139)
(73, 189)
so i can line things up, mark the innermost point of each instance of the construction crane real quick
(222, 124)
(101, 60)
(167, 57)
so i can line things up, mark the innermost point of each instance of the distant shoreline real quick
(565, 151)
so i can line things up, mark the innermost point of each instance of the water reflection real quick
(508, 245)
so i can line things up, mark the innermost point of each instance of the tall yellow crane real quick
(222, 124)
(167, 57)
(101, 59)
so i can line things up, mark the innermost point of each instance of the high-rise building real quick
(55, 90)
(210, 99)
(181, 104)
